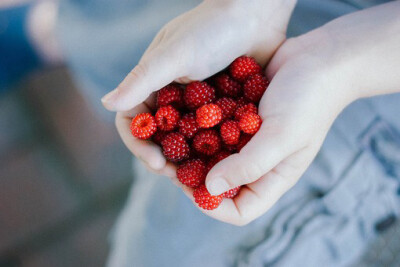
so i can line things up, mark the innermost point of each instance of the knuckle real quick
(139, 71)
(249, 173)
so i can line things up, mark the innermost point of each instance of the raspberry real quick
(207, 142)
(254, 87)
(217, 158)
(143, 126)
(159, 136)
(167, 118)
(227, 105)
(231, 193)
(175, 147)
(250, 123)
(230, 132)
(240, 111)
(188, 125)
(227, 86)
(243, 67)
(205, 200)
(241, 101)
(170, 95)
(198, 94)
(231, 148)
(192, 173)
(244, 139)
(208, 116)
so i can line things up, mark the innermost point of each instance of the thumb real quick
(151, 74)
(259, 156)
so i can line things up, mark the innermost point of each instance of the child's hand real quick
(202, 42)
(313, 77)
(298, 108)
(195, 46)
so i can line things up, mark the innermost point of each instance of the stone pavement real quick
(64, 175)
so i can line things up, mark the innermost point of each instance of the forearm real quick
(370, 43)
(361, 51)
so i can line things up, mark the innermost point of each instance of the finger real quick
(264, 151)
(169, 169)
(257, 198)
(145, 150)
(261, 195)
(226, 211)
(154, 71)
(157, 40)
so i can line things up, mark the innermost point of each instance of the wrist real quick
(322, 65)
(362, 51)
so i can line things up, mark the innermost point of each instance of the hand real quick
(195, 46)
(314, 77)
(202, 42)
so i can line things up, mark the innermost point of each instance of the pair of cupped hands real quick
(312, 79)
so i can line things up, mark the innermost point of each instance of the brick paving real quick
(64, 175)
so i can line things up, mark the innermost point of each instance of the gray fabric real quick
(328, 219)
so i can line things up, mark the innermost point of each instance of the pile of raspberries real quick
(202, 123)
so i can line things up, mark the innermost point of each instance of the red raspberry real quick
(192, 173)
(240, 111)
(231, 148)
(227, 86)
(244, 139)
(198, 94)
(188, 125)
(167, 118)
(143, 126)
(250, 123)
(217, 158)
(243, 67)
(159, 136)
(231, 193)
(227, 105)
(230, 132)
(207, 142)
(208, 116)
(254, 87)
(175, 147)
(241, 101)
(204, 199)
(170, 95)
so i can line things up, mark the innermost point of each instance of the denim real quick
(17, 56)
(345, 200)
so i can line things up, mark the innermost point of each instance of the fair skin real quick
(313, 78)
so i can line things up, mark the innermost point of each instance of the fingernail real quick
(217, 186)
(109, 98)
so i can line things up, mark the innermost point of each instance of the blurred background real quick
(64, 173)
